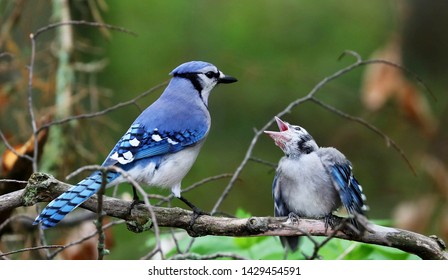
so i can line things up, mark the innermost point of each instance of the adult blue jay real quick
(310, 181)
(160, 146)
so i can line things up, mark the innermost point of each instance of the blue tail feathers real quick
(57, 209)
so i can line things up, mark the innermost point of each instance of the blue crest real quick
(190, 67)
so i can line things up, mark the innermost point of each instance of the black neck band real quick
(193, 77)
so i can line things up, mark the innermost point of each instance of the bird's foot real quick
(133, 204)
(330, 220)
(197, 212)
(359, 224)
(293, 218)
(135, 200)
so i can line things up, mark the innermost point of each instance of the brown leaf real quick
(382, 81)
(4, 100)
(438, 172)
(444, 223)
(19, 168)
(416, 109)
(415, 215)
(15, 167)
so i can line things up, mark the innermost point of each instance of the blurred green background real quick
(279, 51)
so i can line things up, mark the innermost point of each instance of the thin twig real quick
(33, 37)
(318, 246)
(42, 186)
(5, 54)
(30, 101)
(264, 162)
(13, 218)
(31, 249)
(87, 237)
(310, 96)
(193, 186)
(99, 222)
(13, 181)
(137, 187)
(105, 111)
(82, 22)
(389, 141)
(395, 65)
(196, 185)
(192, 256)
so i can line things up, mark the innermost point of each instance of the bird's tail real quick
(75, 196)
(290, 242)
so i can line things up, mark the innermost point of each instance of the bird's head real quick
(204, 76)
(292, 139)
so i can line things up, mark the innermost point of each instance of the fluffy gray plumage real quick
(311, 182)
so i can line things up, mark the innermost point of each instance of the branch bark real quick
(43, 187)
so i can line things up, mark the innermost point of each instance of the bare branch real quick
(105, 111)
(81, 22)
(93, 234)
(309, 97)
(13, 181)
(30, 101)
(389, 141)
(33, 38)
(42, 187)
(30, 249)
(193, 186)
(192, 256)
(99, 221)
(136, 227)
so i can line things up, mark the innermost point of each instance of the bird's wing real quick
(349, 189)
(139, 142)
(280, 207)
(282, 210)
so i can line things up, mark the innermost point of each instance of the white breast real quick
(170, 172)
(174, 168)
(306, 187)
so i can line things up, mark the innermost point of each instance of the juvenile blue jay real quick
(160, 146)
(310, 181)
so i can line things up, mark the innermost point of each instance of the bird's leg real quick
(135, 200)
(196, 211)
(135, 197)
(293, 217)
(330, 220)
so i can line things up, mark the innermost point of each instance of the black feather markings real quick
(302, 144)
(193, 77)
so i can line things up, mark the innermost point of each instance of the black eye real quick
(210, 74)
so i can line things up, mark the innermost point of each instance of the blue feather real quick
(76, 195)
(348, 187)
(281, 210)
(177, 120)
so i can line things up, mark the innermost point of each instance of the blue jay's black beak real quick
(223, 79)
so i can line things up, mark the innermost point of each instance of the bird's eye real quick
(210, 74)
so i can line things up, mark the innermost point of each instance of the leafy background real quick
(279, 50)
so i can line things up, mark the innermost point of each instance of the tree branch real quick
(42, 187)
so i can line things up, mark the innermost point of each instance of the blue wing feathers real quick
(175, 121)
(350, 191)
(138, 143)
